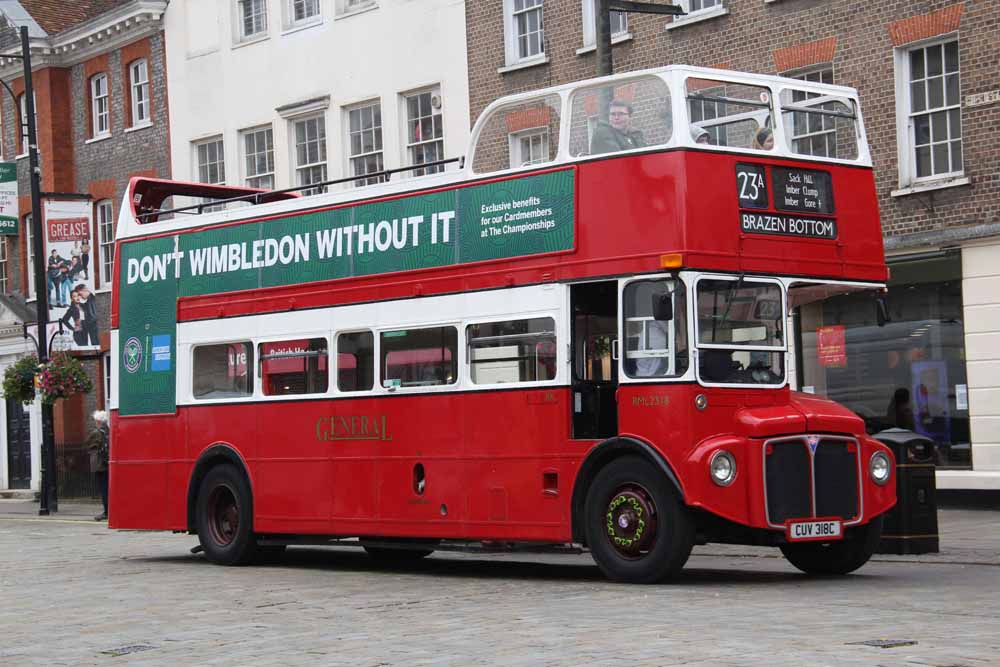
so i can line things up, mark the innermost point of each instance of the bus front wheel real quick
(833, 558)
(638, 530)
(225, 518)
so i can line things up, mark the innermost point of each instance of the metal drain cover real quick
(884, 643)
(125, 650)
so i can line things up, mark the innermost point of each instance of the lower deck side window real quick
(419, 357)
(512, 351)
(294, 367)
(223, 370)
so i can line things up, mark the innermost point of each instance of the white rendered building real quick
(282, 93)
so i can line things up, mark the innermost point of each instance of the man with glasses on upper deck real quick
(616, 134)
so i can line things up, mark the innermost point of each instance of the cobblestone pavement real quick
(74, 593)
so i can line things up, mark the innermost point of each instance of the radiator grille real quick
(811, 476)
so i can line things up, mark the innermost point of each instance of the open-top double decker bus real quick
(556, 346)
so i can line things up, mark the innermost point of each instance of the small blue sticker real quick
(161, 353)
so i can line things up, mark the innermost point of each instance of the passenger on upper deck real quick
(616, 134)
(764, 139)
(700, 136)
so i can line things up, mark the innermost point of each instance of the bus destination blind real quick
(795, 192)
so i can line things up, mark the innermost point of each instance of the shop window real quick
(909, 373)
(290, 367)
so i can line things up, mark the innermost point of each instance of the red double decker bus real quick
(579, 339)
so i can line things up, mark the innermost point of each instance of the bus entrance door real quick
(594, 308)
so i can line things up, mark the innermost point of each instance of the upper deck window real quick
(517, 135)
(820, 125)
(620, 117)
(724, 113)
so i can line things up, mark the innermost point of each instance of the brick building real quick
(101, 113)
(927, 75)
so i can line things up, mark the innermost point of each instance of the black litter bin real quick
(911, 526)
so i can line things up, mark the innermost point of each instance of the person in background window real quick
(99, 445)
(764, 139)
(616, 134)
(900, 412)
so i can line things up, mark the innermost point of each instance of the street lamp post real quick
(602, 25)
(50, 499)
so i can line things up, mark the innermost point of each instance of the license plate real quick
(803, 531)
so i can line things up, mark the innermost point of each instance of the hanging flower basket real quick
(19, 380)
(62, 377)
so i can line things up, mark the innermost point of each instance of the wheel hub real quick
(224, 516)
(631, 521)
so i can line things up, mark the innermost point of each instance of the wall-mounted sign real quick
(831, 346)
(69, 270)
(982, 99)
(802, 190)
(9, 215)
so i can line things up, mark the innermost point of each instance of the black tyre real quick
(224, 517)
(638, 530)
(842, 557)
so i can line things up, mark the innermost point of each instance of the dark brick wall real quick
(747, 39)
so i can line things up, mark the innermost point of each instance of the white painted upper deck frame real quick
(674, 76)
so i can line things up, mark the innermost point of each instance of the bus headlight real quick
(722, 468)
(879, 468)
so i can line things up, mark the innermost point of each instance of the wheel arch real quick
(600, 456)
(216, 454)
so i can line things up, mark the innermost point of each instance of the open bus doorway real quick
(594, 308)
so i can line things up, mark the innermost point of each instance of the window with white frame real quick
(29, 260)
(348, 6)
(364, 137)
(251, 16)
(258, 157)
(106, 362)
(99, 105)
(529, 147)
(930, 112)
(424, 130)
(106, 241)
(301, 12)
(23, 105)
(695, 10)
(524, 30)
(210, 161)
(138, 73)
(3, 266)
(310, 152)
(619, 23)
(813, 133)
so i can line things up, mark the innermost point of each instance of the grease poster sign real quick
(69, 270)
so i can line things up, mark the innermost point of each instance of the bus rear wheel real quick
(637, 528)
(224, 517)
(834, 558)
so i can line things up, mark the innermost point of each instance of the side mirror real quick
(881, 311)
(663, 307)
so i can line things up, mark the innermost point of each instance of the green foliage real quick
(62, 377)
(19, 380)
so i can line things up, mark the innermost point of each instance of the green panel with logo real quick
(147, 335)
(516, 217)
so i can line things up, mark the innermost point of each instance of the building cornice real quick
(102, 34)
